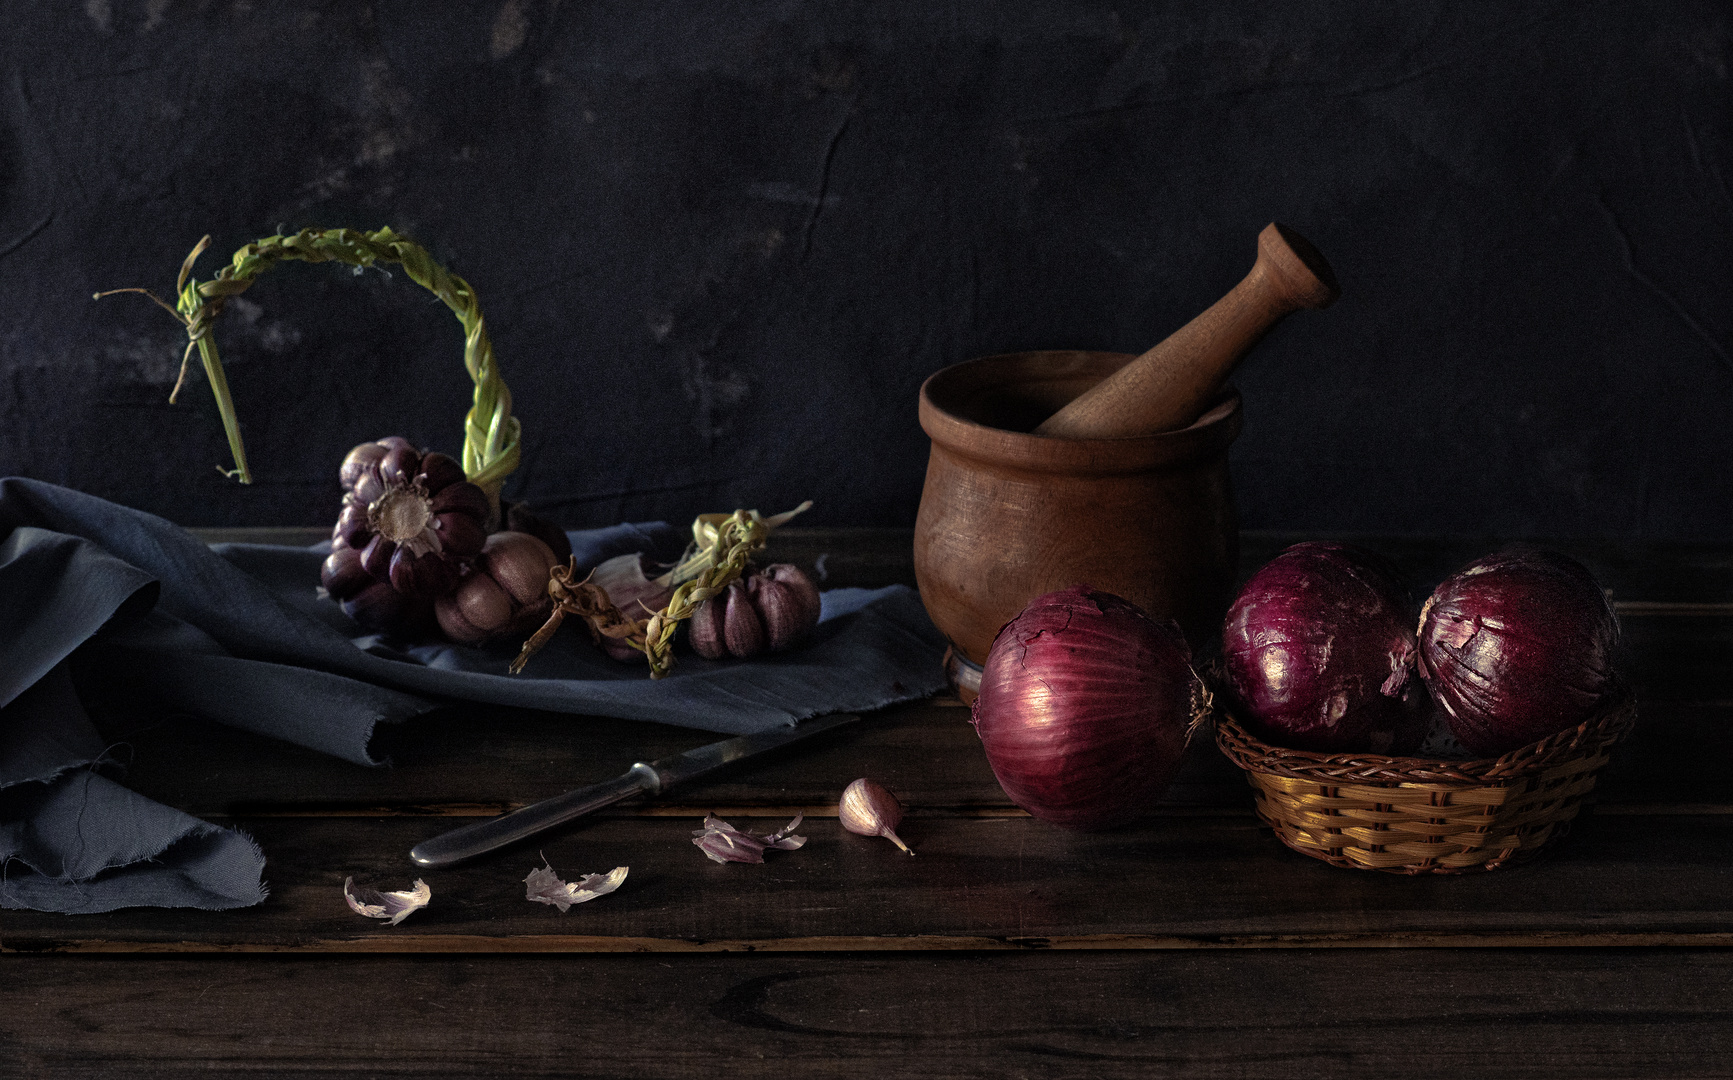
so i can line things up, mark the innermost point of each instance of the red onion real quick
(1084, 706)
(1317, 652)
(1517, 646)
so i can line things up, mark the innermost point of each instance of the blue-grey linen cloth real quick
(238, 634)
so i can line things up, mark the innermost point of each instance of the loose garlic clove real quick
(868, 809)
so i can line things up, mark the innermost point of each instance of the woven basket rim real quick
(1612, 723)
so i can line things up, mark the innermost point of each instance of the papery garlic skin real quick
(393, 907)
(723, 843)
(867, 809)
(545, 887)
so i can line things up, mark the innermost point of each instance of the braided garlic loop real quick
(491, 433)
(722, 542)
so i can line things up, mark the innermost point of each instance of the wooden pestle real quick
(1169, 386)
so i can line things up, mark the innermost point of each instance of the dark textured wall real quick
(720, 244)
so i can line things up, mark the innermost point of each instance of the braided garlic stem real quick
(723, 544)
(737, 537)
(491, 433)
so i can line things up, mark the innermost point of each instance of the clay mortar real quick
(1007, 515)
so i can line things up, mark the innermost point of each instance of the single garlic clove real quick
(460, 535)
(742, 629)
(399, 466)
(342, 574)
(704, 629)
(868, 809)
(352, 524)
(782, 610)
(795, 578)
(376, 557)
(360, 460)
(460, 498)
(439, 471)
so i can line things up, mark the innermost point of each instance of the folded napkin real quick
(238, 634)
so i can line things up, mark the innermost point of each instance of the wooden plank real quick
(1421, 1014)
(1009, 883)
(473, 761)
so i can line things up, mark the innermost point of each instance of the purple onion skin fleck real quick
(1317, 652)
(1083, 709)
(1517, 646)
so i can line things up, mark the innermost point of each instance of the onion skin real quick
(1083, 710)
(1317, 653)
(1517, 646)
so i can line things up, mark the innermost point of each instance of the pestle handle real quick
(1168, 387)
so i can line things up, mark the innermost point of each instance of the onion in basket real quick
(1318, 653)
(1517, 646)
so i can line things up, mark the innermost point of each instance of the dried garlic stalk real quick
(545, 887)
(392, 906)
(491, 433)
(724, 843)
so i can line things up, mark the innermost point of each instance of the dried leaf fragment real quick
(393, 906)
(545, 887)
(724, 843)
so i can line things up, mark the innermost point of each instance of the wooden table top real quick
(1192, 944)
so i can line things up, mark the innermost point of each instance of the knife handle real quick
(484, 836)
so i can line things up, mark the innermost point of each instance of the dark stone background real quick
(720, 244)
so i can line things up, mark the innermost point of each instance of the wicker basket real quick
(1421, 816)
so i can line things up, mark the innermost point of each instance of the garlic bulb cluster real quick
(411, 552)
(773, 609)
(504, 593)
(410, 523)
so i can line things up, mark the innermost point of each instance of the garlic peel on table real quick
(545, 887)
(394, 907)
(724, 843)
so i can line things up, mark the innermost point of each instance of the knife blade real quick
(643, 778)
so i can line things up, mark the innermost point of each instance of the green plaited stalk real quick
(491, 433)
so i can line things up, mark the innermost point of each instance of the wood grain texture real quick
(478, 761)
(1008, 883)
(1422, 1014)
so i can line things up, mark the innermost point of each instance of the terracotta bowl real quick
(1007, 515)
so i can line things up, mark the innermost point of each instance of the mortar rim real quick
(1208, 437)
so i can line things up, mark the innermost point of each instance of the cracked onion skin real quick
(1318, 650)
(1517, 646)
(409, 518)
(1084, 705)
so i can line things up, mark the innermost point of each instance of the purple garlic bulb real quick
(409, 518)
(773, 609)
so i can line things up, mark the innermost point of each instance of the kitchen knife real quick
(644, 778)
